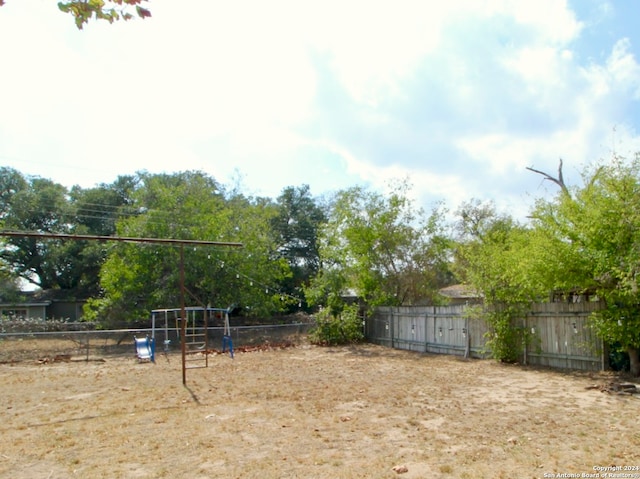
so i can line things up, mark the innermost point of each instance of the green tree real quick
(36, 205)
(11, 183)
(190, 205)
(95, 212)
(257, 271)
(382, 248)
(591, 243)
(493, 255)
(296, 226)
(9, 287)
(39, 205)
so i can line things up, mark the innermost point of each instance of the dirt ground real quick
(309, 412)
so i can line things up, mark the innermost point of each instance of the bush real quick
(505, 340)
(40, 325)
(618, 358)
(344, 328)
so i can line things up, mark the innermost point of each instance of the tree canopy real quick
(296, 226)
(591, 244)
(190, 205)
(39, 205)
(302, 252)
(492, 254)
(581, 242)
(381, 248)
(125, 281)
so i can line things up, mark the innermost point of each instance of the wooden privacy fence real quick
(558, 334)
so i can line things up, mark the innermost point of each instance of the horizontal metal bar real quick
(146, 330)
(91, 331)
(127, 239)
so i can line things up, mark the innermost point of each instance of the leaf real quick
(142, 12)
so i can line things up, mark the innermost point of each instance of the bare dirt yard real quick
(308, 412)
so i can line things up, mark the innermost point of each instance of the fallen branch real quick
(616, 388)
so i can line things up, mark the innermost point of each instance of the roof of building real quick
(53, 295)
(460, 291)
(9, 305)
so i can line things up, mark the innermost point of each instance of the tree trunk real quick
(634, 361)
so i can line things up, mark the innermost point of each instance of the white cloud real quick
(623, 68)
(374, 44)
(458, 96)
(552, 19)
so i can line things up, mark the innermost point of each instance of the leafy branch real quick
(110, 10)
(84, 10)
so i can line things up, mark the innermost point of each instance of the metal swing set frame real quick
(196, 336)
(148, 343)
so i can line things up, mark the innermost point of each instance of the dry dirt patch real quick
(308, 412)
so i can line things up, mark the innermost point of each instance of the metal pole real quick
(125, 239)
(206, 336)
(183, 344)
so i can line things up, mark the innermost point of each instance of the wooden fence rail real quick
(558, 334)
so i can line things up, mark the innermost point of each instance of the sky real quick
(458, 97)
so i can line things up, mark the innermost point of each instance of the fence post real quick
(426, 335)
(392, 327)
(467, 337)
(526, 341)
(435, 325)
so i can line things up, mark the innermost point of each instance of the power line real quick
(151, 216)
(277, 291)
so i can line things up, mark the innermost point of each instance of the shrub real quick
(342, 328)
(505, 340)
(40, 325)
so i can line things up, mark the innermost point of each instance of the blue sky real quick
(459, 98)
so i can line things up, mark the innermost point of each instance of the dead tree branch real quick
(558, 181)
